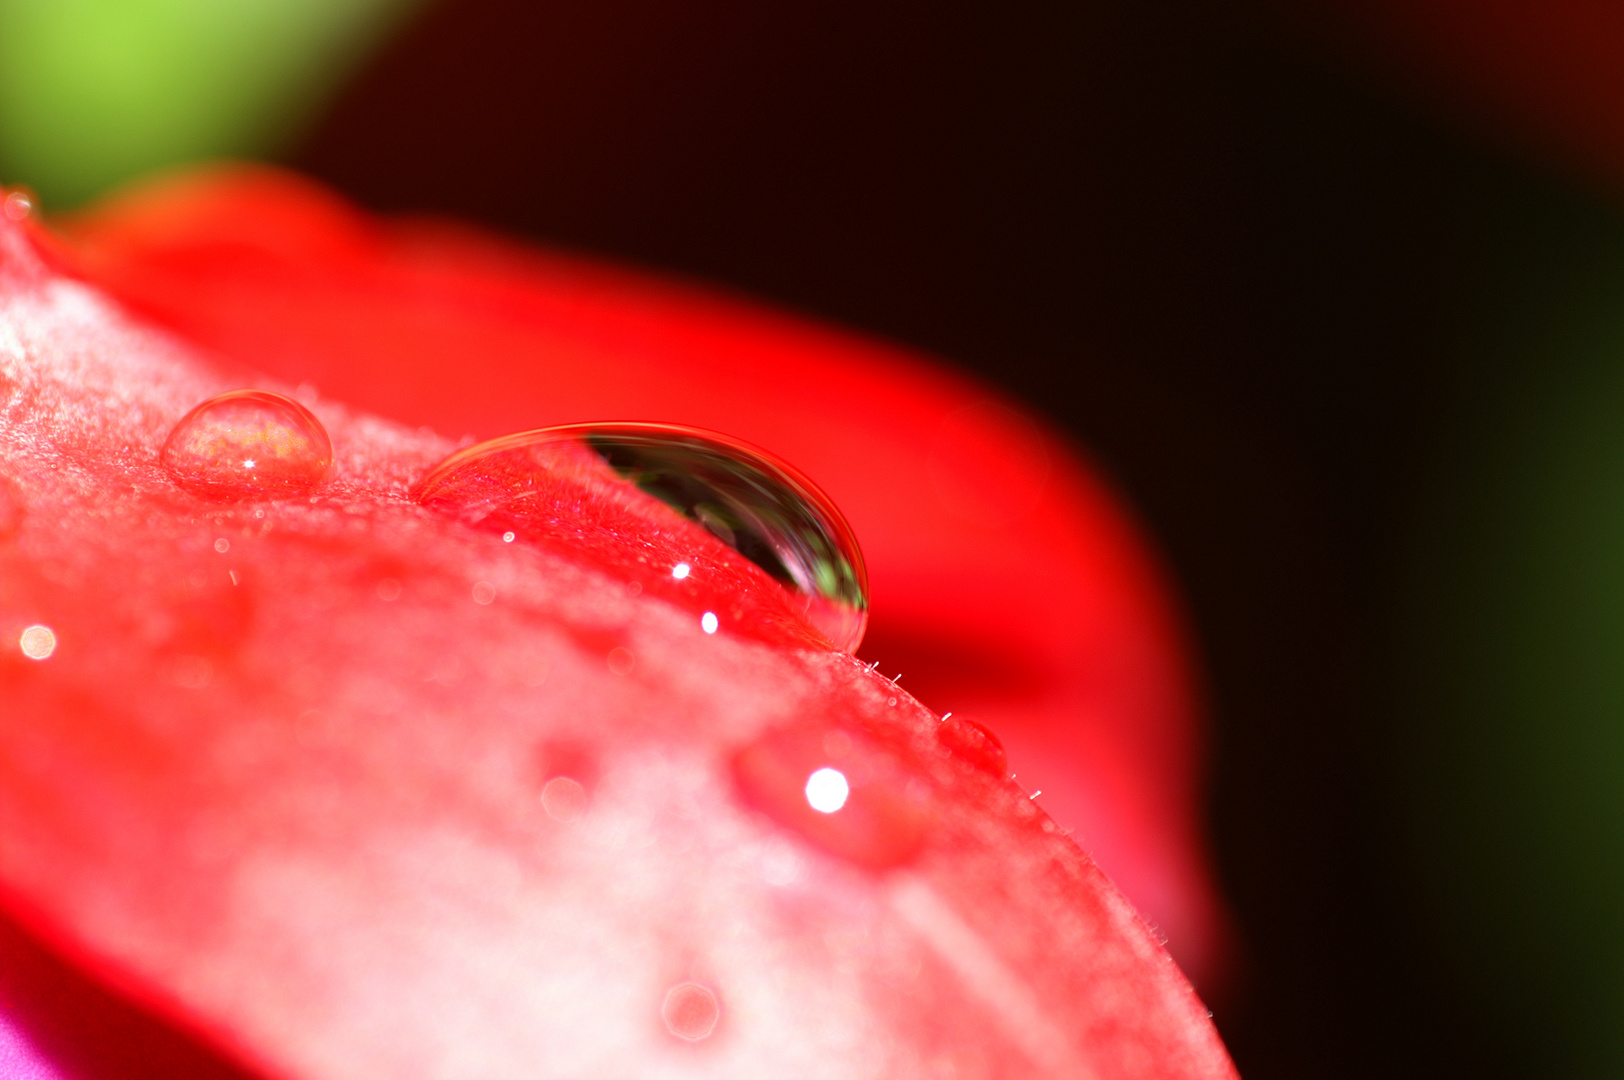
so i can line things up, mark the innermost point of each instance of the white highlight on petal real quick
(681, 570)
(827, 790)
(707, 622)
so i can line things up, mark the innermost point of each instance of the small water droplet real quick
(530, 484)
(708, 622)
(19, 203)
(222, 545)
(248, 444)
(690, 1011)
(484, 592)
(620, 660)
(37, 642)
(563, 798)
(839, 790)
(388, 590)
(509, 536)
(973, 744)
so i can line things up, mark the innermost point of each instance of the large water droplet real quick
(248, 444)
(840, 790)
(531, 485)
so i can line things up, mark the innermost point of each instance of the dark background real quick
(1234, 268)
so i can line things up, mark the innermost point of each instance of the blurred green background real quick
(96, 91)
(1361, 370)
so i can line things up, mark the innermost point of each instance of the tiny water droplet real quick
(621, 661)
(840, 791)
(37, 642)
(766, 511)
(388, 590)
(248, 444)
(484, 592)
(690, 1011)
(564, 798)
(973, 744)
(509, 536)
(19, 203)
(222, 545)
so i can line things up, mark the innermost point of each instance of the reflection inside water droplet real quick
(248, 444)
(690, 1011)
(763, 509)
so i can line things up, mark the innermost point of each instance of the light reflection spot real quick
(38, 642)
(707, 622)
(827, 790)
(681, 570)
(509, 536)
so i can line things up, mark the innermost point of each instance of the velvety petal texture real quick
(340, 786)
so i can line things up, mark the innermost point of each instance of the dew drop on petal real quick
(564, 798)
(484, 592)
(838, 790)
(621, 661)
(248, 444)
(973, 744)
(708, 622)
(37, 642)
(222, 545)
(690, 1011)
(18, 204)
(763, 509)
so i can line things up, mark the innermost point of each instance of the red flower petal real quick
(286, 773)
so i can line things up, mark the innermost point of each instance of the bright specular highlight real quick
(827, 790)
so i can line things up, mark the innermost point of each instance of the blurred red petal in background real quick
(1008, 584)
